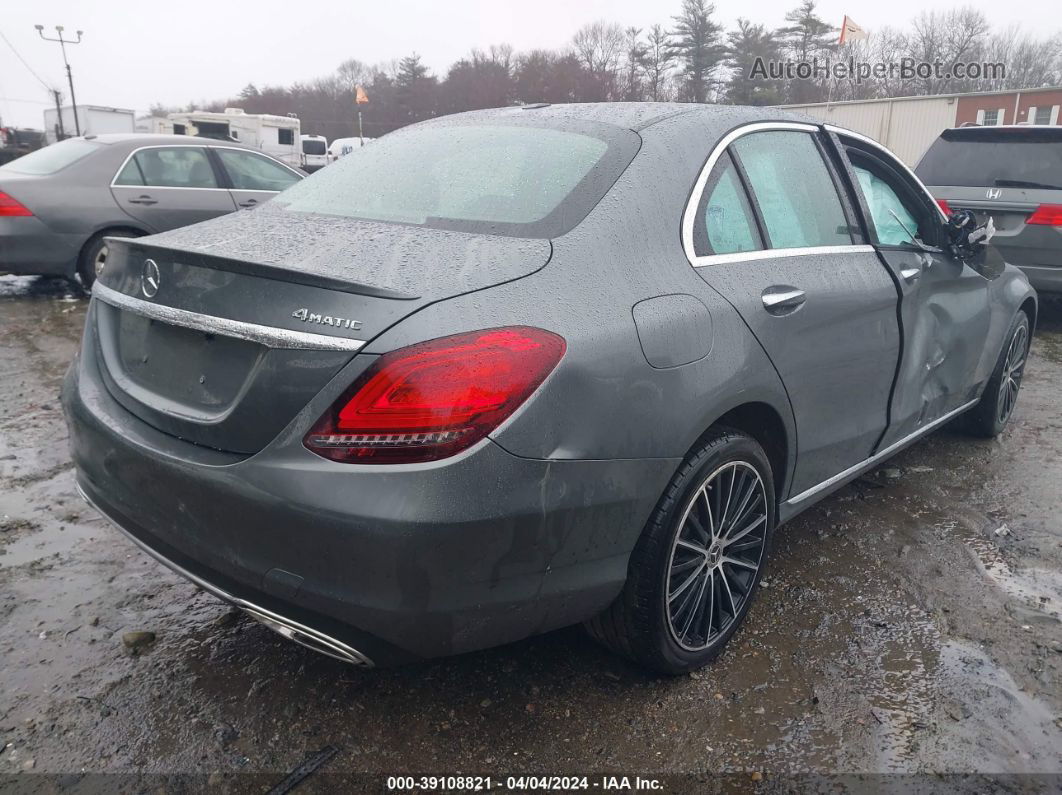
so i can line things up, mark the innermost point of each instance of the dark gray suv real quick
(1013, 175)
(516, 369)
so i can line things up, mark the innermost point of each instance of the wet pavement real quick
(910, 623)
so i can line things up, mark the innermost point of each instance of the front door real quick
(166, 187)
(943, 305)
(775, 236)
(254, 178)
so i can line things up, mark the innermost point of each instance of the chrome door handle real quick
(910, 275)
(781, 297)
(143, 200)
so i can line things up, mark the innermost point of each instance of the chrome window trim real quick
(197, 145)
(877, 458)
(269, 336)
(689, 215)
(895, 161)
(773, 253)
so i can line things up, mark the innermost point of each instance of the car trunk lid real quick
(221, 333)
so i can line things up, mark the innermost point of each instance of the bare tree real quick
(352, 73)
(634, 63)
(946, 37)
(658, 60)
(599, 47)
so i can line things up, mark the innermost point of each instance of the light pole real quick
(69, 75)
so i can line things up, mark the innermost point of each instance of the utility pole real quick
(60, 134)
(69, 75)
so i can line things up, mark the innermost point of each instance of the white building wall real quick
(906, 126)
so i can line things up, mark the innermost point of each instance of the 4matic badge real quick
(307, 316)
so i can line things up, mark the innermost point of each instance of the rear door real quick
(253, 178)
(166, 187)
(944, 305)
(776, 236)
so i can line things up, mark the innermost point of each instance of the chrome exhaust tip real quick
(305, 636)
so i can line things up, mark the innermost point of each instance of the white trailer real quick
(155, 125)
(93, 119)
(275, 135)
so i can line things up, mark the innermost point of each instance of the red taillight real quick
(1047, 215)
(434, 399)
(10, 206)
(944, 206)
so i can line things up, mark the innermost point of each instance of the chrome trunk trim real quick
(269, 336)
(292, 630)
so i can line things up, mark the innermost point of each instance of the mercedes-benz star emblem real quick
(149, 279)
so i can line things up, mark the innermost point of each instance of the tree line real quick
(690, 58)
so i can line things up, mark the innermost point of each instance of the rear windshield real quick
(313, 147)
(525, 181)
(52, 158)
(1018, 159)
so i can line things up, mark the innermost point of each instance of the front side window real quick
(725, 223)
(170, 167)
(893, 222)
(795, 193)
(249, 171)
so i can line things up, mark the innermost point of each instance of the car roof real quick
(149, 139)
(631, 115)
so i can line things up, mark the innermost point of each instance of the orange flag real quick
(362, 98)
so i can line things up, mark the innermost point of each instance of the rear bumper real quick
(399, 562)
(28, 246)
(1044, 278)
(289, 628)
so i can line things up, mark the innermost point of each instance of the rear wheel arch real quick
(118, 230)
(764, 423)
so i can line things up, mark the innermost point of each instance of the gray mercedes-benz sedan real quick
(517, 369)
(59, 204)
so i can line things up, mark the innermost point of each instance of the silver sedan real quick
(57, 205)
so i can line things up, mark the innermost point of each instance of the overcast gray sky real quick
(138, 52)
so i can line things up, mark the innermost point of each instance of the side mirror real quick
(965, 237)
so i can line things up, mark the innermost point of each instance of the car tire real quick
(652, 621)
(93, 256)
(991, 414)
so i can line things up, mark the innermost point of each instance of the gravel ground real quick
(910, 624)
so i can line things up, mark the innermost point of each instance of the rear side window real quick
(285, 137)
(795, 193)
(249, 171)
(519, 180)
(52, 158)
(994, 158)
(169, 167)
(725, 223)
